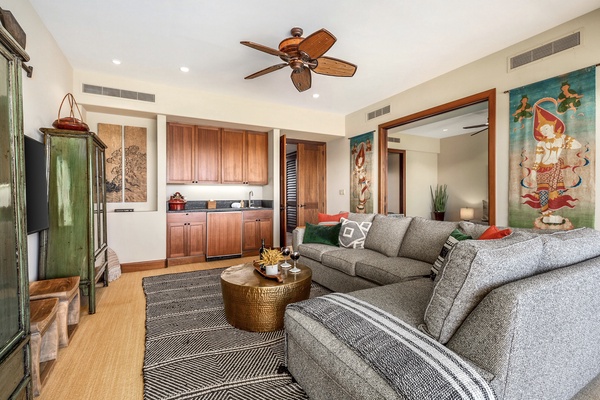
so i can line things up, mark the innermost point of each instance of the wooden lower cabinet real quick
(258, 225)
(224, 234)
(186, 238)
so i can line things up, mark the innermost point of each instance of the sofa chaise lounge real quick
(519, 313)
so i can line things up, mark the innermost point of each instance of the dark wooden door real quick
(282, 191)
(311, 175)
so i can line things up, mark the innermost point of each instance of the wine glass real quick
(286, 252)
(295, 256)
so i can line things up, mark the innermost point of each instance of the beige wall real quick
(42, 94)
(145, 235)
(492, 72)
(462, 165)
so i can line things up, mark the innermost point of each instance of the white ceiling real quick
(396, 44)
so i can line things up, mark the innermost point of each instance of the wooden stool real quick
(44, 339)
(67, 291)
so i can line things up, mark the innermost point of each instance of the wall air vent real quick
(378, 113)
(125, 94)
(393, 139)
(546, 50)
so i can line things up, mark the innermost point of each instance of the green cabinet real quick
(76, 239)
(14, 283)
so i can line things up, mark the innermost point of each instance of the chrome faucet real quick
(250, 194)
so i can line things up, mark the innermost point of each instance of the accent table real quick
(255, 303)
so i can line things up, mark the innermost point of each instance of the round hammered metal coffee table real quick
(255, 303)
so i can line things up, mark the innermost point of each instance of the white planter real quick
(271, 269)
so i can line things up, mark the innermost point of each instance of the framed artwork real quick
(361, 165)
(552, 152)
(126, 164)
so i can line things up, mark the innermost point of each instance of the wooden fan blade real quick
(484, 129)
(334, 67)
(476, 126)
(317, 44)
(266, 71)
(302, 79)
(266, 49)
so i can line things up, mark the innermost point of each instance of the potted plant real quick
(439, 198)
(270, 259)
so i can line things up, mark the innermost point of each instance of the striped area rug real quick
(193, 353)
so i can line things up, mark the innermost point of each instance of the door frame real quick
(284, 141)
(490, 97)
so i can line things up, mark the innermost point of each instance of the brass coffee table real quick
(255, 303)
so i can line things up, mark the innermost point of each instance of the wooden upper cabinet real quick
(197, 154)
(180, 153)
(257, 149)
(208, 155)
(233, 148)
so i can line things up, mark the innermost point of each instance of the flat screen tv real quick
(36, 186)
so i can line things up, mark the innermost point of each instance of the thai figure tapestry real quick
(361, 165)
(552, 152)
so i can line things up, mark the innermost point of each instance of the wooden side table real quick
(66, 290)
(255, 303)
(44, 339)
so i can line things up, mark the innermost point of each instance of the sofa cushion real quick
(494, 233)
(315, 251)
(358, 217)
(345, 260)
(331, 218)
(471, 229)
(455, 237)
(569, 247)
(353, 234)
(385, 270)
(472, 270)
(386, 234)
(323, 234)
(425, 238)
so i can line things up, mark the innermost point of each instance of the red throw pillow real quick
(494, 233)
(335, 218)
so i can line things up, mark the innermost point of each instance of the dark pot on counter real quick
(177, 202)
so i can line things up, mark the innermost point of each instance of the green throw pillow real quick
(324, 234)
(455, 237)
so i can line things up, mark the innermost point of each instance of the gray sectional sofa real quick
(517, 317)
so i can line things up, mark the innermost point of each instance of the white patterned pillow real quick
(353, 234)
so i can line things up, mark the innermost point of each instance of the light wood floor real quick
(105, 356)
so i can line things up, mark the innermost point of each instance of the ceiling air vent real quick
(546, 50)
(378, 113)
(393, 139)
(125, 94)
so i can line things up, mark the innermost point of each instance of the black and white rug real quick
(193, 353)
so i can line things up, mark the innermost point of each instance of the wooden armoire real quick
(15, 360)
(76, 241)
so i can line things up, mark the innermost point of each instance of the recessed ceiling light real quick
(116, 62)
(184, 69)
(445, 130)
(316, 96)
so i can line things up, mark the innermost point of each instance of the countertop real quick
(222, 206)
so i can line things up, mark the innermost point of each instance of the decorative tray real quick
(277, 277)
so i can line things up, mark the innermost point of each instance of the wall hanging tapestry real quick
(552, 152)
(130, 187)
(361, 165)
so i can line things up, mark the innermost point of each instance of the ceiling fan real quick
(484, 126)
(304, 55)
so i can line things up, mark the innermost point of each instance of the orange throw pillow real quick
(332, 218)
(494, 233)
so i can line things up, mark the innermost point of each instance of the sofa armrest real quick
(539, 336)
(297, 237)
